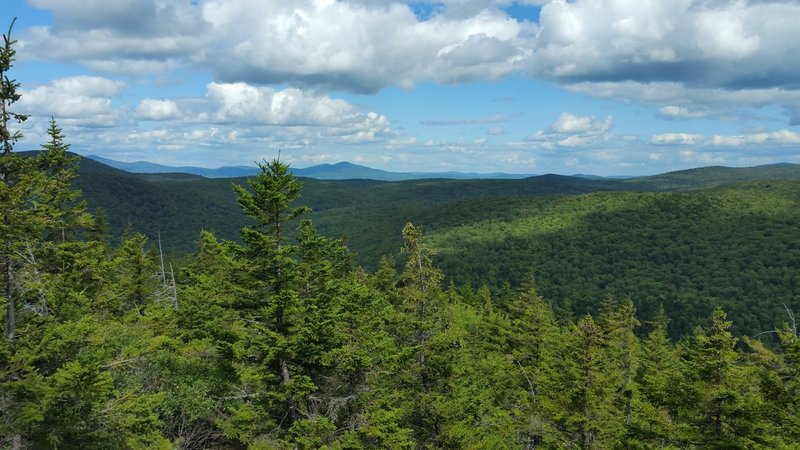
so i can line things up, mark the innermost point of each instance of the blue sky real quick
(607, 87)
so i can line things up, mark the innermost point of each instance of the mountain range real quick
(338, 171)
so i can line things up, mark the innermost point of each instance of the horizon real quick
(595, 87)
(92, 157)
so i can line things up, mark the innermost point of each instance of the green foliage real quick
(734, 245)
(279, 342)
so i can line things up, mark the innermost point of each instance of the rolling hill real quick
(659, 240)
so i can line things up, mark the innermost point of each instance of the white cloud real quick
(665, 40)
(679, 112)
(82, 97)
(243, 103)
(571, 130)
(571, 124)
(236, 116)
(676, 139)
(364, 46)
(358, 47)
(780, 137)
(87, 86)
(152, 109)
(682, 99)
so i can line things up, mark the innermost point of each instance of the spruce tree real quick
(658, 379)
(719, 406)
(12, 188)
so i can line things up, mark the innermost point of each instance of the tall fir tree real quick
(719, 406)
(13, 182)
(658, 378)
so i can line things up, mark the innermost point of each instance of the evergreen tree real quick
(311, 333)
(779, 383)
(579, 389)
(14, 182)
(534, 346)
(718, 403)
(658, 379)
(266, 352)
(618, 320)
(136, 280)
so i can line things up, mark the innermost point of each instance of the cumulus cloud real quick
(780, 138)
(571, 130)
(682, 99)
(152, 109)
(236, 116)
(728, 44)
(360, 47)
(243, 103)
(364, 46)
(82, 97)
(572, 124)
(676, 139)
(679, 112)
(730, 52)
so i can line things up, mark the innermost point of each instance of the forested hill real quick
(368, 213)
(279, 342)
(709, 177)
(737, 245)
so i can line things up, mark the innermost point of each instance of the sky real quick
(604, 87)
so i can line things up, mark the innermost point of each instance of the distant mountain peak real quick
(342, 170)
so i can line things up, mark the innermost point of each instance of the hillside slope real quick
(738, 247)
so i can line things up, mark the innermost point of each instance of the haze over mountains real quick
(679, 180)
(338, 171)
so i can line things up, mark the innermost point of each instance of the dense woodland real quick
(734, 242)
(280, 341)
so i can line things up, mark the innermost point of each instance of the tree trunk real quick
(37, 278)
(286, 380)
(11, 321)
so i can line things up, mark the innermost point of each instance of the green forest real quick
(282, 339)
(687, 241)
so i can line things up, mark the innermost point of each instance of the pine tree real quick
(269, 203)
(403, 404)
(658, 379)
(136, 280)
(718, 402)
(619, 322)
(13, 183)
(579, 391)
(534, 342)
(304, 339)
(779, 383)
